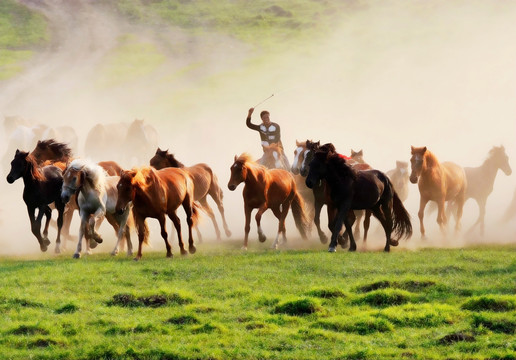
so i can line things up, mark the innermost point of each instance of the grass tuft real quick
(385, 298)
(361, 324)
(183, 320)
(327, 293)
(129, 300)
(29, 330)
(456, 337)
(67, 309)
(490, 303)
(298, 307)
(498, 324)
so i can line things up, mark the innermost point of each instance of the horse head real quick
(402, 167)
(299, 156)
(238, 171)
(501, 159)
(73, 180)
(19, 166)
(126, 190)
(358, 156)
(416, 162)
(318, 168)
(159, 160)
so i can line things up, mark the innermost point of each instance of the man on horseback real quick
(270, 139)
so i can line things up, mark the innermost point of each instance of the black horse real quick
(350, 189)
(42, 188)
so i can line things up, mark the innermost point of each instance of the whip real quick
(264, 100)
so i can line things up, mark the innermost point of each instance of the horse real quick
(42, 187)
(352, 189)
(154, 194)
(205, 183)
(400, 179)
(480, 181)
(439, 182)
(62, 133)
(96, 198)
(264, 189)
(274, 157)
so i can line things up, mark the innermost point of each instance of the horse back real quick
(202, 177)
(455, 179)
(177, 184)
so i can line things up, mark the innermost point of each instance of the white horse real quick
(97, 197)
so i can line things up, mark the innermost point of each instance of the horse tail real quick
(401, 225)
(142, 229)
(300, 216)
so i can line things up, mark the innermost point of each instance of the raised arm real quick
(248, 122)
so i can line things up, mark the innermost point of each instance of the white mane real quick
(92, 171)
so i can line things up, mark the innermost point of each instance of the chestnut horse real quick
(42, 188)
(154, 194)
(264, 189)
(439, 182)
(205, 183)
(351, 189)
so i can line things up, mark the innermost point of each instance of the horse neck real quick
(255, 175)
(147, 196)
(173, 162)
(335, 176)
(29, 177)
(430, 162)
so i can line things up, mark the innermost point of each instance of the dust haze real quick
(391, 74)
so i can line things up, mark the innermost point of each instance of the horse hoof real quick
(46, 241)
(244, 248)
(93, 244)
(114, 253)
(262, 238)
(43, 248)
(170, 255)
(137, 258)
(323, 238)
(192, 249)
(76, 256)
(352, 249)
(184, 252)
(228, 233)
(332, 249)
(386, 249)
(57, 250)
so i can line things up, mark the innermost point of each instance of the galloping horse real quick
(42, 188)
(96, 197)
(357, 190)
(274, 157)
(481, 179)
(439, 182)
(264, 189)
(400, 179)
(156, 193)
(205, 183)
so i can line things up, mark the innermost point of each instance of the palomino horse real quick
(96, 197)
(42, 188)
(205, 183)
(274, 157)
(357, 190)
(400, 179)
(264, 189)
(156, 193)
(439, 182)
(481, 179)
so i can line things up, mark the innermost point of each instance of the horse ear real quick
(39, 142)
(17, 152)
(360, 152)
(412, 149)
(424, 150)
(158, 150)
(318, 143)
(235, 158)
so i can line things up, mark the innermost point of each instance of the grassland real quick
(224, 304)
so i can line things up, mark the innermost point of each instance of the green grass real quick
(21, 32)
(222, 303)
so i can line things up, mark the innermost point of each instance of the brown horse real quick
(358, 163)
(439, 182)
(154, 194)
(264, 189)
(205, 183)
(481, 180)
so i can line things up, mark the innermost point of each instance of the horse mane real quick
(173, 161)
(431, 159)
(92, 171)
(340, 165)
(244, 158)
(61, 150)
(142, 176)
(35, 170)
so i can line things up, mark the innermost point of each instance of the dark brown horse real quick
(439, 182)
(155, 194)
(42, 188)
(350, 189)
(205, 183)
(264, 189)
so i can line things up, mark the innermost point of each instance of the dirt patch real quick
(129, 300)
(456, 337)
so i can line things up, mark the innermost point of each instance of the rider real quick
(269, 133)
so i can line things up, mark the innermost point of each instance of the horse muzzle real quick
(232, 187)
(310, 183)
(10, 179)
(65, 198)
(413, 179)
(294, 170)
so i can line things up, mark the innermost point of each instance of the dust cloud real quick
(390, 75)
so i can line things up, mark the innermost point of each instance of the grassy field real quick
(224, 304)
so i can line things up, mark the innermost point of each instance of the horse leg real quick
(258, 218)
(82, 230)
(383, 214)
(187, 206)
(340, 218)
(280, 213)
(247, 226)
(164, 235)
(441, 216)
(207, 208)
(421, 214)
(367, 222)
(216, 194)
(359, 214)
(119, 230)
(460, 207)
(36, 226)
(318, 204)
(60, 219)
(48, 216)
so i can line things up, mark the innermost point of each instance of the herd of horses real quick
(350, 188)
